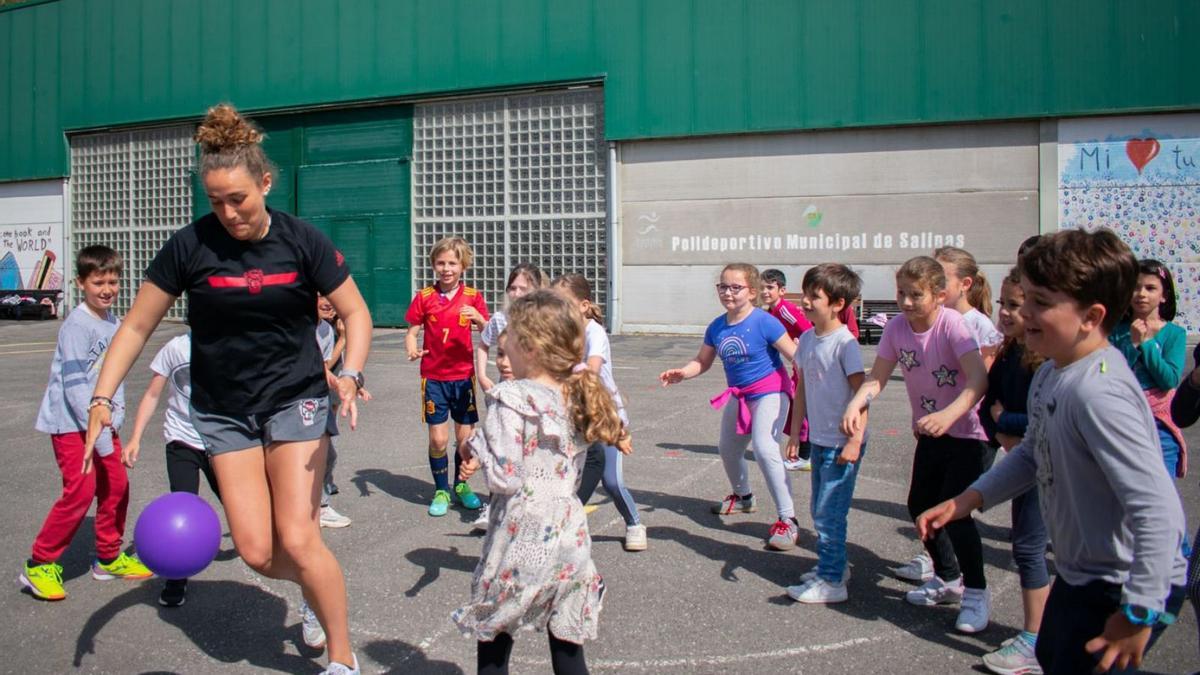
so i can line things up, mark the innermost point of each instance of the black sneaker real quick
(174, 593)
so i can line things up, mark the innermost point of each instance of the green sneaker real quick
(467, 497)
(124, 567)
(440, 503)
(44, 581)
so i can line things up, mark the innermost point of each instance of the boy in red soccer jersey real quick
(446, 311)
(792, 317)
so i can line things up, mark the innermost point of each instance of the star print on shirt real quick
(929, 404)
(908, 359)
(945, 376)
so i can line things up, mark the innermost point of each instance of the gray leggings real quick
(768, 414)
(604, 463)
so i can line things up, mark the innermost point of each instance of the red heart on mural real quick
(1141, 151)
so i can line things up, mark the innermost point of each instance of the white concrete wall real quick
(868, 198)
(32, 244)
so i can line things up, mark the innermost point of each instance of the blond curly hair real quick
(550, 329)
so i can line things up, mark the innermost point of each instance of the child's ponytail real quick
(980, 294)
(592, 408)
(579, 286)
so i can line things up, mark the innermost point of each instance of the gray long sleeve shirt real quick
(1092, 450)
(83, 341)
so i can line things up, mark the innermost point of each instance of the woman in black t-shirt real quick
(259, 394)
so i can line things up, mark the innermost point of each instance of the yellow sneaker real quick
(124, 567)
(44, 581)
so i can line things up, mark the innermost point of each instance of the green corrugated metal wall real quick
(671, 67)
(347, 172)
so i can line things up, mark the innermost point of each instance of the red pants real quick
(107, 483)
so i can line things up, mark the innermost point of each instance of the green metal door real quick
(353, 181)
(348, 172)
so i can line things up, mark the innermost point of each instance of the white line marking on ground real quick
(28, 351)
(723, 659)
(25, 344)
(902, 486)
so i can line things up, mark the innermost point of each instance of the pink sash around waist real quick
(1160, 407)
(776, 381)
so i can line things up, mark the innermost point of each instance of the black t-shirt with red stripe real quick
(252, 310)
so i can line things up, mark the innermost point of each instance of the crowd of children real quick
(1081, 383)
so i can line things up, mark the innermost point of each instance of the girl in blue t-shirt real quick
(755, 404)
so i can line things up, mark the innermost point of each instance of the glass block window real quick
(522, 178)
(131, 190)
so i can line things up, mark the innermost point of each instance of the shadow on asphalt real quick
(688, 447)
(698, 510)
(433, 561)
(998, 555)
(400, 486)
(230, 622)
(935, 625)
(400, 657)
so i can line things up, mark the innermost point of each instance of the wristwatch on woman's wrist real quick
(355, 375)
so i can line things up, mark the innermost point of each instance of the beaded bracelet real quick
(101, 400)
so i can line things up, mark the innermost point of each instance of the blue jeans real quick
(1029, 540)
(832, 490)
(1170, 448)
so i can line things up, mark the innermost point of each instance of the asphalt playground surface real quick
(707, 597)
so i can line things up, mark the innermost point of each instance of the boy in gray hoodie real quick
(82, 343)
(1092, 451)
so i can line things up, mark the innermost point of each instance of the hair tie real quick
(1162, 272)
(579, 368)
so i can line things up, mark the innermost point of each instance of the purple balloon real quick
(177, 535)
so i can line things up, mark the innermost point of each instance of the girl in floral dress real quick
(536, 568)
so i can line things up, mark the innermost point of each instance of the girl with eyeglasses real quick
(755, 403)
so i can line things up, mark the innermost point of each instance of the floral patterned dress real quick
(536, 566)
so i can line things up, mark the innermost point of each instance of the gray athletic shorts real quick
(302, 420)
(331, 421)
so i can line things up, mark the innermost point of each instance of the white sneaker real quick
(919, 569)
(976, 607)
(336, 668)
(812, 574)
(331, 518)
(314, 634)
(936, 592)
(797, 464)
(481, 521)
(819, 592)
(635, 538)
(1015, 657)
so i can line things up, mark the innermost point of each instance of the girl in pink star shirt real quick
(945, 378)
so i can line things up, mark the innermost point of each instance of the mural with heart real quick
(1139, 177)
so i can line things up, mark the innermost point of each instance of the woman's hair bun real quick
(225, 129)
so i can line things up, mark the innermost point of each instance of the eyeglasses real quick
(733, 289)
